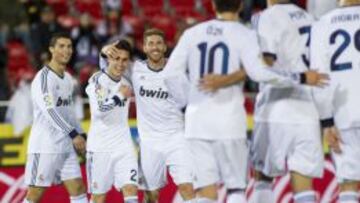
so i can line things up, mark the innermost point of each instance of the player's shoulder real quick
(95, 78)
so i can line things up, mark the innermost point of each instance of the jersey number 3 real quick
(203, 47)
(336, 66)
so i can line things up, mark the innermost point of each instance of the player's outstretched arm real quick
(213, 82)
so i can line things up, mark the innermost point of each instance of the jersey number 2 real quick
(336, 66)
(203, 47)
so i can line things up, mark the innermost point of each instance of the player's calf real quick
(130, 193)
(349, 192)
(302, 187)
(208, 192)
(151, 196)
(34, 194)
(77, 190)
(98, 198)
(262, 189)
(187, 191)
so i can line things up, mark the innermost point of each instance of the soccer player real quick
(160, 122)
(111, 155)
(335, 49)
(283, 142)
(55, 132)
(215, 123)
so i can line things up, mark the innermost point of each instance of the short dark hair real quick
(154, 31)
(124, 45)
(57, 36)
(227, 5)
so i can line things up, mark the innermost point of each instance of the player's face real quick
(154, 47)
(62, 51)
(118, 65)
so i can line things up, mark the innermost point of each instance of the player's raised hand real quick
(331, 135)
(314, 78)
(126, 91)
(79, 143)
(110, 51)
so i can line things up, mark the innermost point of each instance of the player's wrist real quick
(327, 123)
(302, 78)
(73, 133)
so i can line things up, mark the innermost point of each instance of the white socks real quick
(79, 199)
(205, 200)
(349, 197)
(190, 201)
(305, 197)
(263, 192)
(236, 196)
(131, 199)
(26, 201)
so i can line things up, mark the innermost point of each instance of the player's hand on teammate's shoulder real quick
(79, 143)
(332, 137)
(315, 78)
(126, 91)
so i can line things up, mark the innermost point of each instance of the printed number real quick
(133, 173)
(336, 66)
(210, 64)
(306, 30)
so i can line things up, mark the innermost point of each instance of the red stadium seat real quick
(127, 7)
(93, 7)
(137, 24)
(182, 7)
(151, 7)
(166, 24)
(60, 7)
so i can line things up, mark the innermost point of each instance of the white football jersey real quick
(335, 49)
(219, 47)
(54, 117)
(157, 115)
(284, 33)
(109, 126)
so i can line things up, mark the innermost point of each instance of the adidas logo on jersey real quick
(153, 93)
(64, 102)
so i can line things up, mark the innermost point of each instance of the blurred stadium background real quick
(25, 28)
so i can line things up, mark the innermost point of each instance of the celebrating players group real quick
(190, 110)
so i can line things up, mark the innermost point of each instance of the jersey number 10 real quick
(203, 47)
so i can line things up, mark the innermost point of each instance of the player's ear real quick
(51, 49)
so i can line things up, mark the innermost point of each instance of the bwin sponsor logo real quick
(64, 102)
(161, 94)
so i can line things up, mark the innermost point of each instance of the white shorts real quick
(223, 161)
(156, 156)
(348, 162)
(297, 146)
(43, 170)
(118, 168)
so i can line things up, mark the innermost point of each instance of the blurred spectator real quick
(41, 33)
(4, 86)
(4, 32)
(22, 31)
(319, 7)
(19, 111)
(85, 43)
(113, 27)
(33, 9)
(113, 4)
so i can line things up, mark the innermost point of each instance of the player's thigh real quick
(152, 167)
(348, 162)
(99, 172)
(71, 168)
(205, 167)
(42, 170)
(126, 167)
(270, 145)
(179, 161)
(232, 158)
(306, 156)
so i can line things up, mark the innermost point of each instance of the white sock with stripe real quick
(79, 199)
(305, 197)
(263, 192)
(206, 200)
(349, 197)
(131, 199)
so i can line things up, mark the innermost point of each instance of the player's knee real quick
(187, 191)
(100, 198)
(129, 190)
(349, 186)
(77, 188)
(262, 177)
(151, 196)
(34, 194)
(209, 192)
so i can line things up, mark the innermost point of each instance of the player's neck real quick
(350, 3)
(157, 65)
(228, 16)
(59, 69)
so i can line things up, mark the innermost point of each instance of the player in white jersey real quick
(55, 133)
(215, 123)
(281, 143)
(111, 155)
(335, 49)
(160, 123)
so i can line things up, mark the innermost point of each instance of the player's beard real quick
(156, 59)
